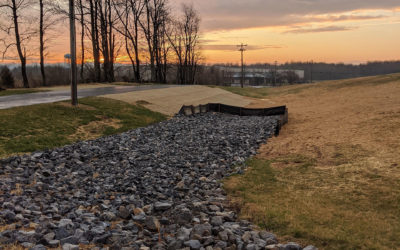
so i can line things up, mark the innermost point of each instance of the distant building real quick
(261, 76)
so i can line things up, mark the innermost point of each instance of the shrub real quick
(6, 78)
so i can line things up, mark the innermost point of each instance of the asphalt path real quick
(63, 95)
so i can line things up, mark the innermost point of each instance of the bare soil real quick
(169, 101)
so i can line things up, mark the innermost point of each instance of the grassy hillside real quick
(299, 88)
(332, 178)
(37, 127)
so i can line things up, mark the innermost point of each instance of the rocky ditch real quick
(151, 188)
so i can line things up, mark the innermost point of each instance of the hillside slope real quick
(333, 175)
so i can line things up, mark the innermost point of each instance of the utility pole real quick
(242, 49)
(74, 81)
(275, 72)
(311, 71)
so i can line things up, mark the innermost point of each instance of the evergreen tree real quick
(6, 78)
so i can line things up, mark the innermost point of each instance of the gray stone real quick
(70, 247)
(62, 233)
(183, 234)
(102, 239)
(251, 247)
(246, 237)
(266, 235)
(27, 245)
(221, 244)
(109, 216)
(71, 240)
(123, 212)
(183, 216)
(193, 244)
(162, 206)
(98, 230)
(202, 229)
(260, 243)
(53, 243)
(310, 247)
(291, 246)
(152, 223)
(223, 235)
(65, 223)
(217, 221)
(38, 247)
(50, 236)
(9, 216)
(171, 170)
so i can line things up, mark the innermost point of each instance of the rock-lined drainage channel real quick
(151, 188)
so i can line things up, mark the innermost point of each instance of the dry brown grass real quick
(80, 106)
(12, 247)
(7, 227)
(18, 190)
(335, 167)
(94, 129)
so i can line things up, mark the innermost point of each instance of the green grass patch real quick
(343, 207)
(43, 126)
(9, 92)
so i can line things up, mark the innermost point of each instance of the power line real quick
(242, 49)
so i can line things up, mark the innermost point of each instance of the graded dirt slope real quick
(169, 101)
(332, 176)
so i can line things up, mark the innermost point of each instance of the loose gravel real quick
(151, 188)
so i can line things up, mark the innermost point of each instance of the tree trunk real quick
(111, 41)
(107, 39)
(95, 40)
(41, 35)
(21, 54)
(128, 52)
(82, 41)
(136, 48)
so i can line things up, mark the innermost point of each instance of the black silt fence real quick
(280, 111)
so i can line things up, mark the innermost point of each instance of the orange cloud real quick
(320, 29)
(223, 47)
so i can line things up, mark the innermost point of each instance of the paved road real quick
(62, 95)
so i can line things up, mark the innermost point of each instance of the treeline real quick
(209, 74)
(143, 30)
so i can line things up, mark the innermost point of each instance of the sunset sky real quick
(292, 30)
(299, 30)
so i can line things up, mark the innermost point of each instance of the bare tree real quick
(48, 18)
(11, 10)
(41, 38)
(163, 48)
(153, 26)
(94, 34)
(82, 23)
(107, 38)
(185, 42)
(129, 13)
